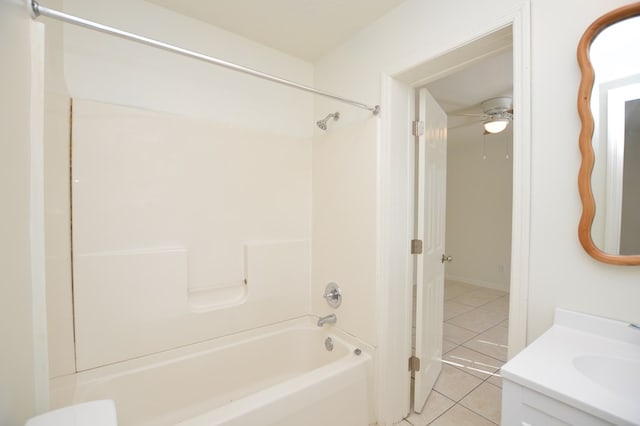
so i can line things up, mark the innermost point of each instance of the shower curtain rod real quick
(39, 10)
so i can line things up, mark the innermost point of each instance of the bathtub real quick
(277, 375)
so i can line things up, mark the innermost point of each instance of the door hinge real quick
(416, 246)
(417, 128)
(414, 363)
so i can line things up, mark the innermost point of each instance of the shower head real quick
(323, 123)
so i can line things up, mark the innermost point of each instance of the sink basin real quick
(619, 375)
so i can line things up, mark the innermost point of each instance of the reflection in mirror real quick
(630, 215)
(616, 85)
(609, 107)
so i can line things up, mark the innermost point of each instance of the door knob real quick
(446, 258)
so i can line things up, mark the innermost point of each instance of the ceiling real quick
(463, 91)
(307, 29)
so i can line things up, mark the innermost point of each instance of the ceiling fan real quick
(496, 116)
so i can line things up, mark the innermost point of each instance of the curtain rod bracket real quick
(34, 9)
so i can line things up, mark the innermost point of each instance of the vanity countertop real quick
(587, 362)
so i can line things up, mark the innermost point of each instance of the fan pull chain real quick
(484, 146)
(506, 145)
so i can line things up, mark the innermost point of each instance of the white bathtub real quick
(276, 375)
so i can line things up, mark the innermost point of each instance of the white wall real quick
(479, 198)
(343, 161)
(561, 273)
(18, 387)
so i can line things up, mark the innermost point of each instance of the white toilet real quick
(93, 413)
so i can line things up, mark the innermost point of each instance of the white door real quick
(430, 228)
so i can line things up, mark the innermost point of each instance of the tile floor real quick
(468, 391)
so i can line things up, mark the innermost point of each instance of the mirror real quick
(609, 108)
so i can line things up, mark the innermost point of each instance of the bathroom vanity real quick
(585, 371)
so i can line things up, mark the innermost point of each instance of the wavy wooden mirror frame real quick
(586, 135)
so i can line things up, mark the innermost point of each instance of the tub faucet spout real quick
(329, 319)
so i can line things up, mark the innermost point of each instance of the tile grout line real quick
(475, 412)
(441, 414)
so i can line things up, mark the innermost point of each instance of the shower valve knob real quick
(333, 295)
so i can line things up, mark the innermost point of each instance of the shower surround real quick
(186, 229)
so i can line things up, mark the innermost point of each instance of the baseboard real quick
(479, 283)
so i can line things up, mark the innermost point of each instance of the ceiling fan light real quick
(496, 125)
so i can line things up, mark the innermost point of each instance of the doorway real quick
(474, 322)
